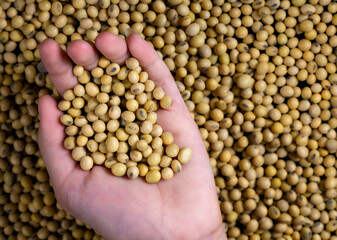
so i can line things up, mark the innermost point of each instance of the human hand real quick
(184, 207)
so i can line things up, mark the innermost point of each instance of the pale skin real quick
(185, 207)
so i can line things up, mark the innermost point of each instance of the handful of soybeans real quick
(110, 120)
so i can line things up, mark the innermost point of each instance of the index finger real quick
(161, 75)
(177, 119)
(155, 67)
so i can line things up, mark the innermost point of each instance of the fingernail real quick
(130, 31)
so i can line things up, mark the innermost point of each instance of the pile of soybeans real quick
(259, 78)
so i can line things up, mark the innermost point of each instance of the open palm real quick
(184, 207)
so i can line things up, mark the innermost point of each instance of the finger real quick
(83, 54)
(155, 67)
(58, 64)
(176, 119)
(112, 47)
(186, 132)
(50, 139)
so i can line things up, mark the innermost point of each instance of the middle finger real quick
(112, 47)
(83, 54)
